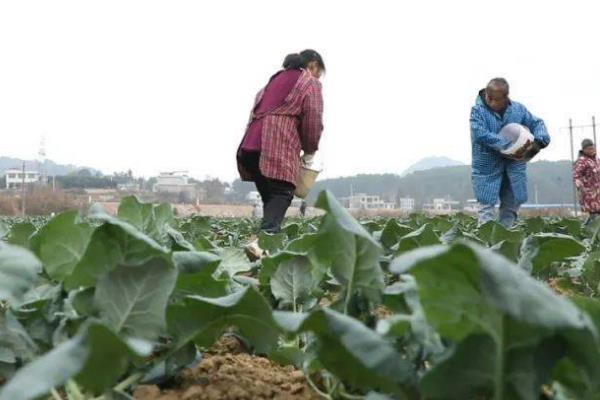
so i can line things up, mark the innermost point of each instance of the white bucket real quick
(305, 181)
(518, 135)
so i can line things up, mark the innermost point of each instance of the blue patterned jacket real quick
(488, 165)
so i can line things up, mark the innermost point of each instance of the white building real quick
(177, 182)
(362, 201)
(173, 182)
(253, 197)
(446, 204)
(14, 178)
(407, 204)
(128, 187)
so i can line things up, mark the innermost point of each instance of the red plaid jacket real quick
(293, 126)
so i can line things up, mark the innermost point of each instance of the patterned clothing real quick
(276, 91)
(287, 129)
(586, 174)
(488, 165)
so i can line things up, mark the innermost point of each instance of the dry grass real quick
(38, 201)
(9, 205)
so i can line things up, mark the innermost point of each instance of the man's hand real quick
(521, 152)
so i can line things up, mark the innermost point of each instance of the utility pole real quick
(572, 163)
(594, 128)
(23, 190)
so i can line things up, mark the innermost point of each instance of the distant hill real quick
(550, 179)
(49, 167)
(431, 163)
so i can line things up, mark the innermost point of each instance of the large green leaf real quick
(133, 300)
(197, 274)
(570, 226)
(410, 322)
(49, 371)
(19, 269)
(96, 358)
(270, 264)
(152, 219)
(492, 297)
(204, 319)
(61, 243)
(441, 224)
(178, 241)
(351, 351)
(108, 357)
(456, 233)
(492, 233)
(20, 233)
(393, 232)
(535, 225)
(508, 249)
(539, 251)
(271, 242)
(424, 236)
(570, 376)
(591, 270)
(15, 343)
(195, 227)
(4, 229)
(293, 281)
(113, 243)
(307, 244)
(292, 231)
(350, 250)
(233, 262)
(39, 311)
(467, 373)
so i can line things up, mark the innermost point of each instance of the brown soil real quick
(382, 312)
(562, 286)
(228, 373)
(213, 210)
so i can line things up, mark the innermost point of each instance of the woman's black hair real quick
(301, 60)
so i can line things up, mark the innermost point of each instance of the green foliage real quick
(350, 250)
(500, 313)
(18, 271)
(204, 319)
(61, 243)
(351, 351)
(399, 308)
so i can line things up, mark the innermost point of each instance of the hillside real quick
(49, 166)
(431, 163)
(552, 179)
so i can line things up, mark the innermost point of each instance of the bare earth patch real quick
(228, 373)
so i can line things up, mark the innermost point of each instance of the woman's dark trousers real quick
(276, 195)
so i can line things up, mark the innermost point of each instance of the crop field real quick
(147, 305)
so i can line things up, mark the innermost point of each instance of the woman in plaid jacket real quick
(286, 120)
(586, 174)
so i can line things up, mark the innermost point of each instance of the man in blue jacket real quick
(496, 177)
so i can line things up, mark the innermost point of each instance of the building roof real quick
(20, 170)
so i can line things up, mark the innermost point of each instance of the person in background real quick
(284, 131)
(586, 174)
(494, 176)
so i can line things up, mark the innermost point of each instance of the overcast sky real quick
(168, 85)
